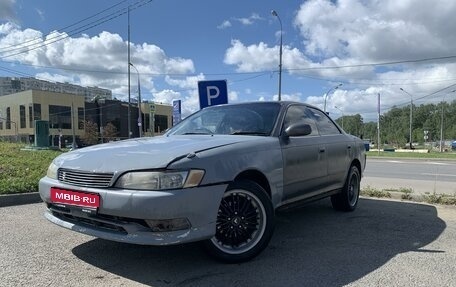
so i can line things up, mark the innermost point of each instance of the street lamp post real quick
(274, 13)
(139, 102)
(441, 122)
(342, 112)
(327, 93)
(411, 115)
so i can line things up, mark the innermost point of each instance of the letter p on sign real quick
(212, 93)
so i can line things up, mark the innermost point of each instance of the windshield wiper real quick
(197, 133)
(250, 133)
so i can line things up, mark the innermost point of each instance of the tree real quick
(395, 129)
(90, 136)
(109, 132)
(352, 124)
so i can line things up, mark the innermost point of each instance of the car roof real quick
(282, 103)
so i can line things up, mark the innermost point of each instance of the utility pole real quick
(274, 13)
(129, 96)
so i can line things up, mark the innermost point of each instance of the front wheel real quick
(245, 222)
(347, 200)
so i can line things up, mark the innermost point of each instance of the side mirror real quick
(298, 129)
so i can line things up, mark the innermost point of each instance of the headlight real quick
(52, 171)
(156, 180)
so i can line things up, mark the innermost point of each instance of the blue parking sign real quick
(212, 93)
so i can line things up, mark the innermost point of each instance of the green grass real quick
(373, 192)
(21, 170)
(440, 199)
(406, 194)
(431, 155)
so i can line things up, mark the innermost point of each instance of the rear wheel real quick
(347, 200)
(245, 222)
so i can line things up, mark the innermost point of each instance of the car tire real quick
(347, 200)
(245, 223)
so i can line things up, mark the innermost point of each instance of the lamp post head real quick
(274, 13)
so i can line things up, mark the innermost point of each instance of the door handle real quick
(322, 149)
(349, 147)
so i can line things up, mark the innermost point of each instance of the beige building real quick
(67, 113)
(19, 111)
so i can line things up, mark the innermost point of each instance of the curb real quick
(19, 199)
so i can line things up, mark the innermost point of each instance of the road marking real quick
(438, 163)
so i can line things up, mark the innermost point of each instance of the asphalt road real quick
(382, 243)
(422, 176)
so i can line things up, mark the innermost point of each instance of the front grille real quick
(83, 178)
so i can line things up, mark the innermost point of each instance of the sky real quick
(401, 50)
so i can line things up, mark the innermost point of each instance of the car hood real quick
(144, 153)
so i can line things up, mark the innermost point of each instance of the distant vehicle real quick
(70, 146)
(453, 145)
(217, 176)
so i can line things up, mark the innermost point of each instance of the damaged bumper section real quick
(138, 216)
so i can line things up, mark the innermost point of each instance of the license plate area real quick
(85, 200)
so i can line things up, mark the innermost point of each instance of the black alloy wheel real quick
(347, 200)
(245, 222)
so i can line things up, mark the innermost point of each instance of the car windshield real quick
(242, 119)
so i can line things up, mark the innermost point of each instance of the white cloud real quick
(91, 61)
(377, 30)
(251, 58)
(261, 57)
(166, 96)
(56, 78)
(224, 25)
(40, 13)
(189, 82)
(296, 97)
(232, 96)
(249, 20)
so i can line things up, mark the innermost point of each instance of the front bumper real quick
(122, 214)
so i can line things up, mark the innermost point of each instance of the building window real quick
(30, 116)
(8, 118)
(161, 123)
(81, 118)
(16, 85)
(59, 117)
(37, 112)
(22, 117)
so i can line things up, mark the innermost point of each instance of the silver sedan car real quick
(217, 177)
